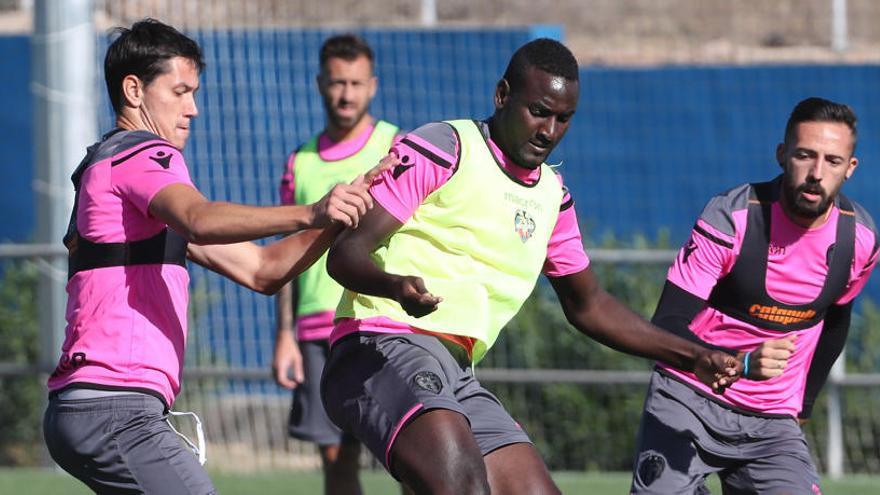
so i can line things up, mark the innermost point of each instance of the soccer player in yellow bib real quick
(460, 232)
(350, 142)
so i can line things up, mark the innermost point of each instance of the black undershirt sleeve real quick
(675, 312)
(829, 347)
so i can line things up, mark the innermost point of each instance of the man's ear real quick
(853, 163)
(502, 93)
(374, 85)
(132, 91)
(780, 154)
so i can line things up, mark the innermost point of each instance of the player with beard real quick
(350, 142)
(769, 274)
(461, 230)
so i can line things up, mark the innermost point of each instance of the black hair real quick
(143, 51)
(347, 47)
(816, 109)
(545, 54)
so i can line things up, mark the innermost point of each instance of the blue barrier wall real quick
(650, 146)
(16, 149)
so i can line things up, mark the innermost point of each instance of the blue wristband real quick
(746, 364)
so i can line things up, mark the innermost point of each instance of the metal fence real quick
(245, 413)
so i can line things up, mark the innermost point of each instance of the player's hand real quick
(414, 297)
(387, 162)
(345, 204)
(770, 358)
(287, 365)
(717, 369)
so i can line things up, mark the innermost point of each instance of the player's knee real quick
(471, 477)
(456, 473)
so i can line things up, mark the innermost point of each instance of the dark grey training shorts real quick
(121, 444)
(374, 384)
(685, 436)
(308, 421)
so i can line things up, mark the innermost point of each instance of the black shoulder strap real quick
(841, 255)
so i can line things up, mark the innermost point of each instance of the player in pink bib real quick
(137, 218)
(769, 275)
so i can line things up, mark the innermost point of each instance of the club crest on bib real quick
(524, 225)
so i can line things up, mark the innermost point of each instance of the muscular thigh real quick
(517, 469)
(373, 386)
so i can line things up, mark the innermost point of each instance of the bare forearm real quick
(285, 259)
(226, 223)
(350, 264)
(265, 269)
(616, 326)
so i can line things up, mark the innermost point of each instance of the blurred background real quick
(680, 100)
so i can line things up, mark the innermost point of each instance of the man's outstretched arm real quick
(350, 264)
(597, 314)
(267, 268)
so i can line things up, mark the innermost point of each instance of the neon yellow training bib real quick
(314, 178)
(479, 242)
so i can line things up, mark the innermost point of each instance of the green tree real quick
(21, 397)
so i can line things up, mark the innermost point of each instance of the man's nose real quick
(817, 169)
(548, 130)
(193, 109)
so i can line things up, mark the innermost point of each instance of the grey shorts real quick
(373, 385)
(685, 436)
(307, 420)
(120, 445)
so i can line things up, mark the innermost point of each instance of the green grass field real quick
(48, 482)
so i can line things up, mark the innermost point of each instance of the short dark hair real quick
(143, 51)
(545, 54)
(346, 46)
(816, 109)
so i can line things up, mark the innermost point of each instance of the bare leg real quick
(341, 464)
(518, 469)
(436, 454)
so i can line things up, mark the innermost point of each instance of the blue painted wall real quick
(16, 153)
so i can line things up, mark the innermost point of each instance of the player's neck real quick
(134, 121)
(809, 223)
(341, 134)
